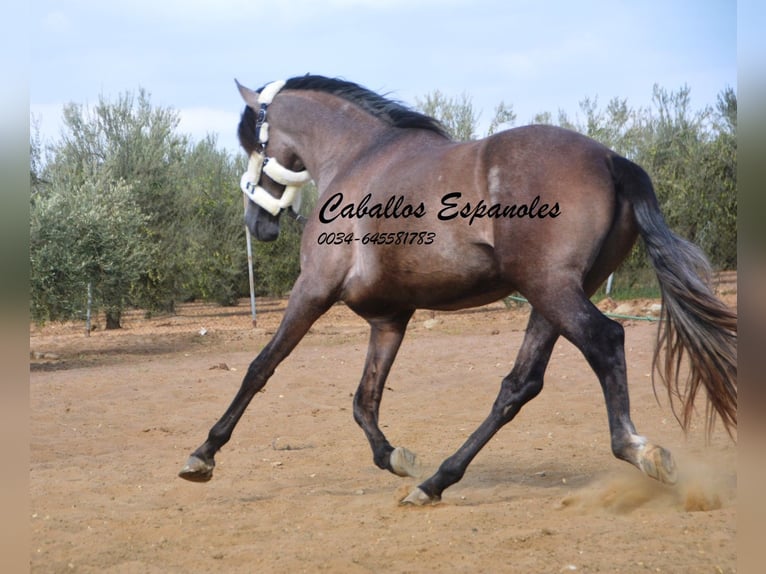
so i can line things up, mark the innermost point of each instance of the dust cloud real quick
(701, 487)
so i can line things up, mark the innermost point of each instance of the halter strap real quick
(264, 99)
(259, 163)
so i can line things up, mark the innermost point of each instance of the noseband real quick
(259, 163)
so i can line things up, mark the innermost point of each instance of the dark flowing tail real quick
(694, 323)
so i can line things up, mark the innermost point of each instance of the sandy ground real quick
(115, 415)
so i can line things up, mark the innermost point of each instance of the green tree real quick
(36, 183)
(214, 235)
(613, 126)
(133, 141)
(545, 118)
(504, 116)
(691, 156)
(457, 115)
(92, 234)
(717, 183)
(672, 150)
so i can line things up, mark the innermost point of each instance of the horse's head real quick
(269, 186)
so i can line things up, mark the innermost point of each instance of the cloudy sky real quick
(536, 55)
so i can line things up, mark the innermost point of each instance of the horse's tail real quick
(693, 322)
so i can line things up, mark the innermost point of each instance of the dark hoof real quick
(197, 470)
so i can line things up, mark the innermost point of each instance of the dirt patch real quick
(115, 415)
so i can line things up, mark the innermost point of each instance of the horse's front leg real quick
(301, 313)
(385, 338)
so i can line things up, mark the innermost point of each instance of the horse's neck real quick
(328, 134)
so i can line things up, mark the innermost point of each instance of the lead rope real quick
(259, 163)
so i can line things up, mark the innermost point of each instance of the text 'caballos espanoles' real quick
(397, 207)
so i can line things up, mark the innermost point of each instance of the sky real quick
(537, 55)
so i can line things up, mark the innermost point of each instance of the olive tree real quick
(91, 235)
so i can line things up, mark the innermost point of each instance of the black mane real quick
(392, 112)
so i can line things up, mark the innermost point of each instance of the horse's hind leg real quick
(385, 338)
(601, 341)
(302, 311)
(523, 383)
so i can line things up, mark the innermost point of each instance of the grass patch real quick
(631, 284)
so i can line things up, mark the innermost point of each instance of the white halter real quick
(259, 163)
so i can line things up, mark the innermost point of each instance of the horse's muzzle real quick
(262, 225)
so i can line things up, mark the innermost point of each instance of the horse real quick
(408, 218)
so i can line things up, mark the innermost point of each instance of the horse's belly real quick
(430, 281)
(470, 300)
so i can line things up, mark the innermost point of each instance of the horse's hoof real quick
(405, 463)
(418, 498)
(197, 470)
(658, 463)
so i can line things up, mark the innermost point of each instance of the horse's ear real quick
(250, 97)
